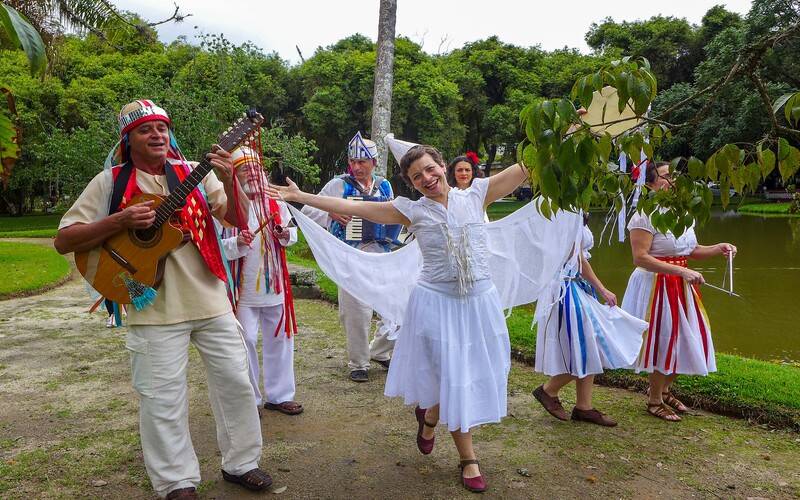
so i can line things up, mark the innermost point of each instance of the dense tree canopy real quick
(469, 98)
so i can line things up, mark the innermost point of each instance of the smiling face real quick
(427, 176)
(149, 142)
(463, 174)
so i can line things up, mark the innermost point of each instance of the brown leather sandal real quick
(287, 407)
(674, 402)
(662, 411)
(254, 479)
(189, 493)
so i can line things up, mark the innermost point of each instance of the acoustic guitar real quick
(129, 265)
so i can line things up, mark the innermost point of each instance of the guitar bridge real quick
(119, 259)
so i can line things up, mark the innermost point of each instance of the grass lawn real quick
(29, 226)
(26, 267)
(758, 390)
(767, 209)
(500, 209)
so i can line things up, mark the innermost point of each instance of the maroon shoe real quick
(425, 445)
(475, 484)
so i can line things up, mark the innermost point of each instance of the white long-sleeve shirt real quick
(253, 291)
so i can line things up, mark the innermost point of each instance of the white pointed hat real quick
(361, 149)
(398, 148)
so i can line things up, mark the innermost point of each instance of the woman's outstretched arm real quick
(380, 212)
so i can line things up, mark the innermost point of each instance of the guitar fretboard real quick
(177, 198)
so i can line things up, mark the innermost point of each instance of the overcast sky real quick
(439, 25)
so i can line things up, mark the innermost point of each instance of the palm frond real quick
(84, 15)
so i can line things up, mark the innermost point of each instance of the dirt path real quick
(68, 428)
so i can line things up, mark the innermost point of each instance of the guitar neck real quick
(177, 198)
(229, 141)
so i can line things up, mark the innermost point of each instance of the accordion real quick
(359, 230)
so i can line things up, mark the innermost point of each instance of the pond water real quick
(764, 323)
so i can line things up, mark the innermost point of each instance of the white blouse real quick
(452, 240)
(664, 245)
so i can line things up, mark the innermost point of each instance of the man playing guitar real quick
(191, 303)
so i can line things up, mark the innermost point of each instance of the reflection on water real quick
(764, 322)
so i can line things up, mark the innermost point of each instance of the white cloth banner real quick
(526, 253)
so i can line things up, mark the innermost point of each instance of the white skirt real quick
(679, 337)
(581, 337)
(453, 351)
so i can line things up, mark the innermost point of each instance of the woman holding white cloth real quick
(452, 355)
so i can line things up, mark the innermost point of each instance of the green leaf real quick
(550, 187)
(725, 192)
(648, 149)
(789, 165)
(711, 167)
(733, 155)
(791, 104)
(752, 176)
(549, 110)
(604, 147)
(783, 149)
(586, 197)
(566, 153)
(24, 36)
(697, 169)
(597, 81)
(529, 156)
(566, 110)
(737, 179)
(544, 208)
(781, 101)
(766, 161)
(708, 196)
(652, 84)
(586, 152)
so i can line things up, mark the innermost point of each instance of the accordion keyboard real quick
(353, 231)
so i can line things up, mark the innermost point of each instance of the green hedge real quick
(29, 226)
(767, 209)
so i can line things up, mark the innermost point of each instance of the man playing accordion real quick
(356, 317)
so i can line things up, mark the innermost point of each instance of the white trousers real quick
(356, 318)
(277, 352)
(159, 361)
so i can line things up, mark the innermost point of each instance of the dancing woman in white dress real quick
(452, 355)
(665, 292)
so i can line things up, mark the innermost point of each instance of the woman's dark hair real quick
(451, 169)
(414, 154)
(651, 173)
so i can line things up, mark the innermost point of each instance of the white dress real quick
(578, 335)
(679, 337)
(453, 347)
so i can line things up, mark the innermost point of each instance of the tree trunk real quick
(384, 77)
(492, 152)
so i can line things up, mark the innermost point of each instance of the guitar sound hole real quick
(146, 237)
